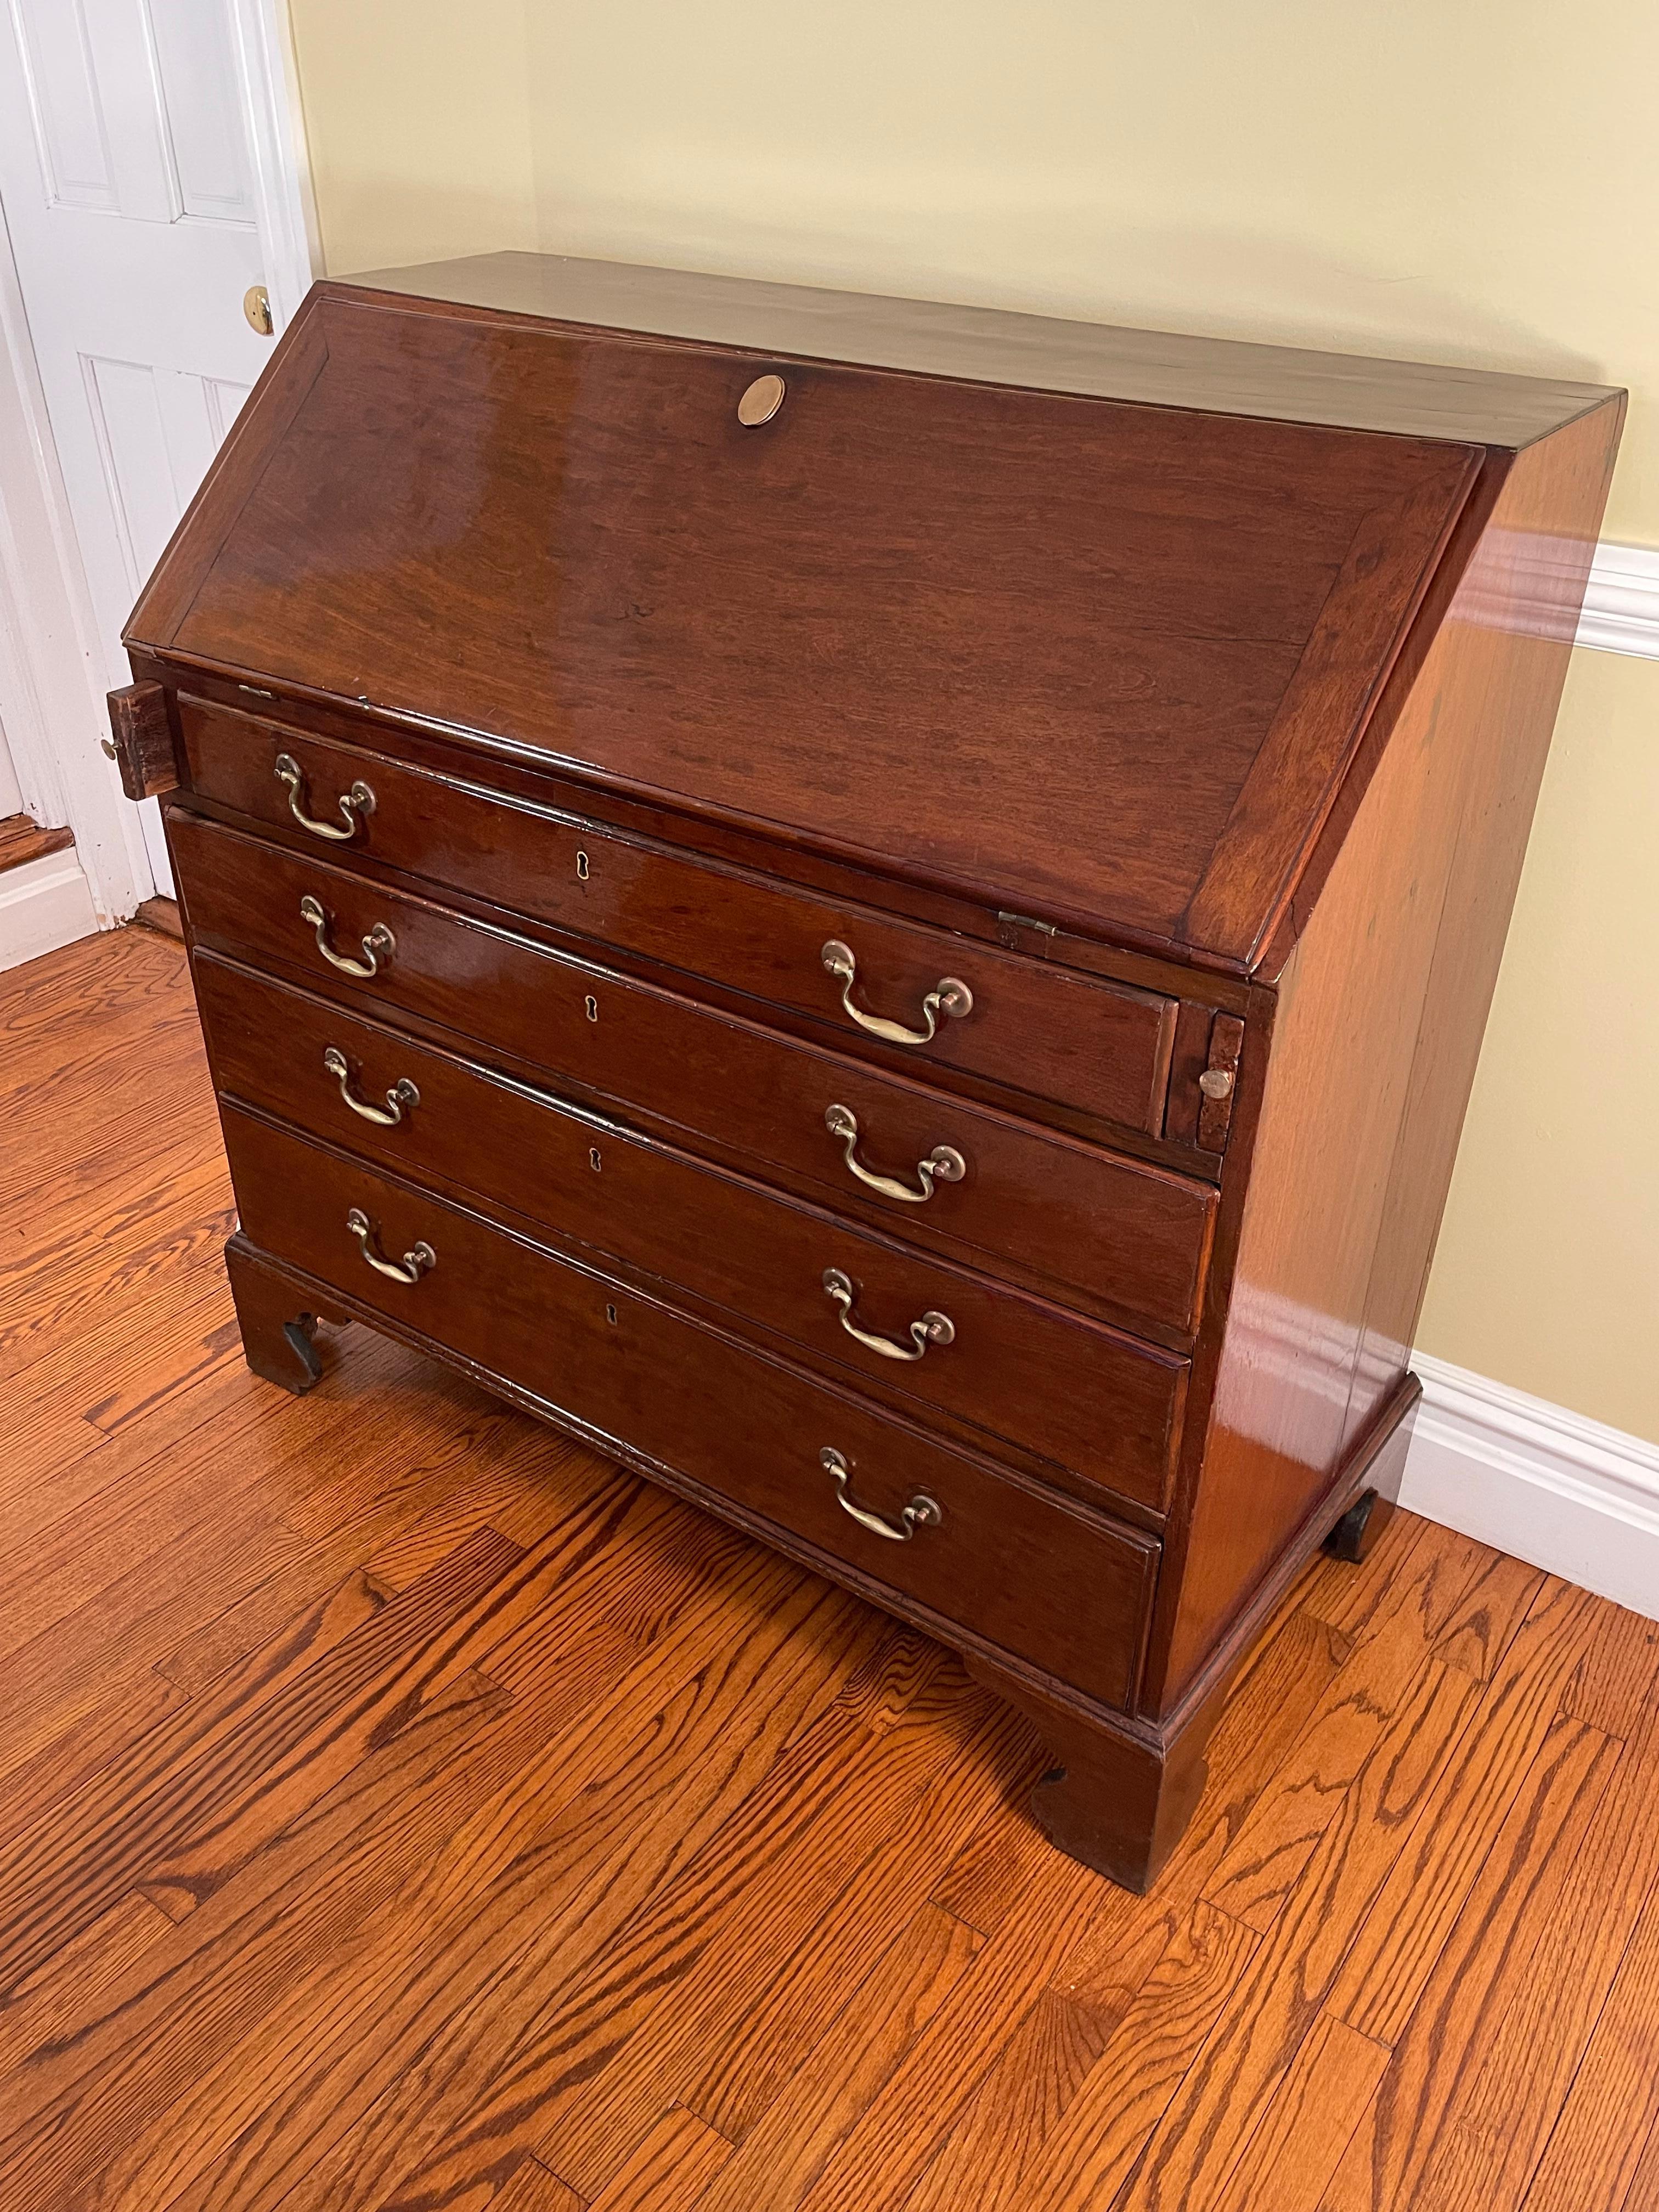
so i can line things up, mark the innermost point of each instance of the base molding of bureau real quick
(1552, 1487)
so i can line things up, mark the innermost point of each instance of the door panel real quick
(125, 177)
(157, 429)
(201, 106)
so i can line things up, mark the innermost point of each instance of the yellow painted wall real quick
(418, 125)
(1473, 182)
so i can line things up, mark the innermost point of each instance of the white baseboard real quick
(1621, 602)
(1525, 581)
(43, 904)
(1532, 1478)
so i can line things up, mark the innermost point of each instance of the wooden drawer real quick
(1019, 1567)
(1104, 1407)
(1050, 1032)
(1135, 1238)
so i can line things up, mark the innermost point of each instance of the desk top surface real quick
(1085, 623)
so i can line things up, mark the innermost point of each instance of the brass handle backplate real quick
(356, 806)
(950, 996)
(378, 945)
(943, 1165)
(922, 1511)
(413, 1264)
(399, 1099)
(932, 1327)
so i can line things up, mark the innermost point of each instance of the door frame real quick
(51, 695)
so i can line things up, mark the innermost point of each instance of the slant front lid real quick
(1097, 662)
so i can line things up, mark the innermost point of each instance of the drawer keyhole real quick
(594, 1157)
(592, 1006)
(581, 867)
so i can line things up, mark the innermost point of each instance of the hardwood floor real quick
(399, 1808)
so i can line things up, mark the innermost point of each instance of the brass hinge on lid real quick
(1019, 933)
(1218, 1082)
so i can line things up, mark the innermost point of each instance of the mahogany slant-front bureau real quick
(882, 910)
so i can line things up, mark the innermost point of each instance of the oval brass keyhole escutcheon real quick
(256, 306)
(761, 402)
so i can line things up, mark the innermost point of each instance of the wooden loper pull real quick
(1218, 1081)
(142, 746)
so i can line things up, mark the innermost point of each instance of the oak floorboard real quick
(531, 2188)
(1538, 2016)
(1489, 1950)
(1085, 2160)
(1264, 1866)
(730, 2036)
(217, 1756)
(402, 1811)
(180, 1222)
(43, 1193)
(667, 2172)
(1035, 2079)
(1612, 2110)
(1395, 1949)
(1616, 1687)
(1127, 1936)
(109, 1721)
(1309, 2123)
(1194, 2146)
(1349, 2189)
(574, 2003)
(448, 1810)
(55, 1998)
(864, 2042)
(363, 2112)
(96, 977)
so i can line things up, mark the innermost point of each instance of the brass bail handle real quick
(414, 1264)
(357, 806)
(932, 1327)
(922, 1511)
(399, 1100)
(379, 944)
(950, 996)
(943, 1165)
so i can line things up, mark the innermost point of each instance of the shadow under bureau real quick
(882, 910)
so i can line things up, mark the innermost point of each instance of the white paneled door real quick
(128, 181)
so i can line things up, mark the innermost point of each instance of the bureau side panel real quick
(1381, 1011)
(1521, 600)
